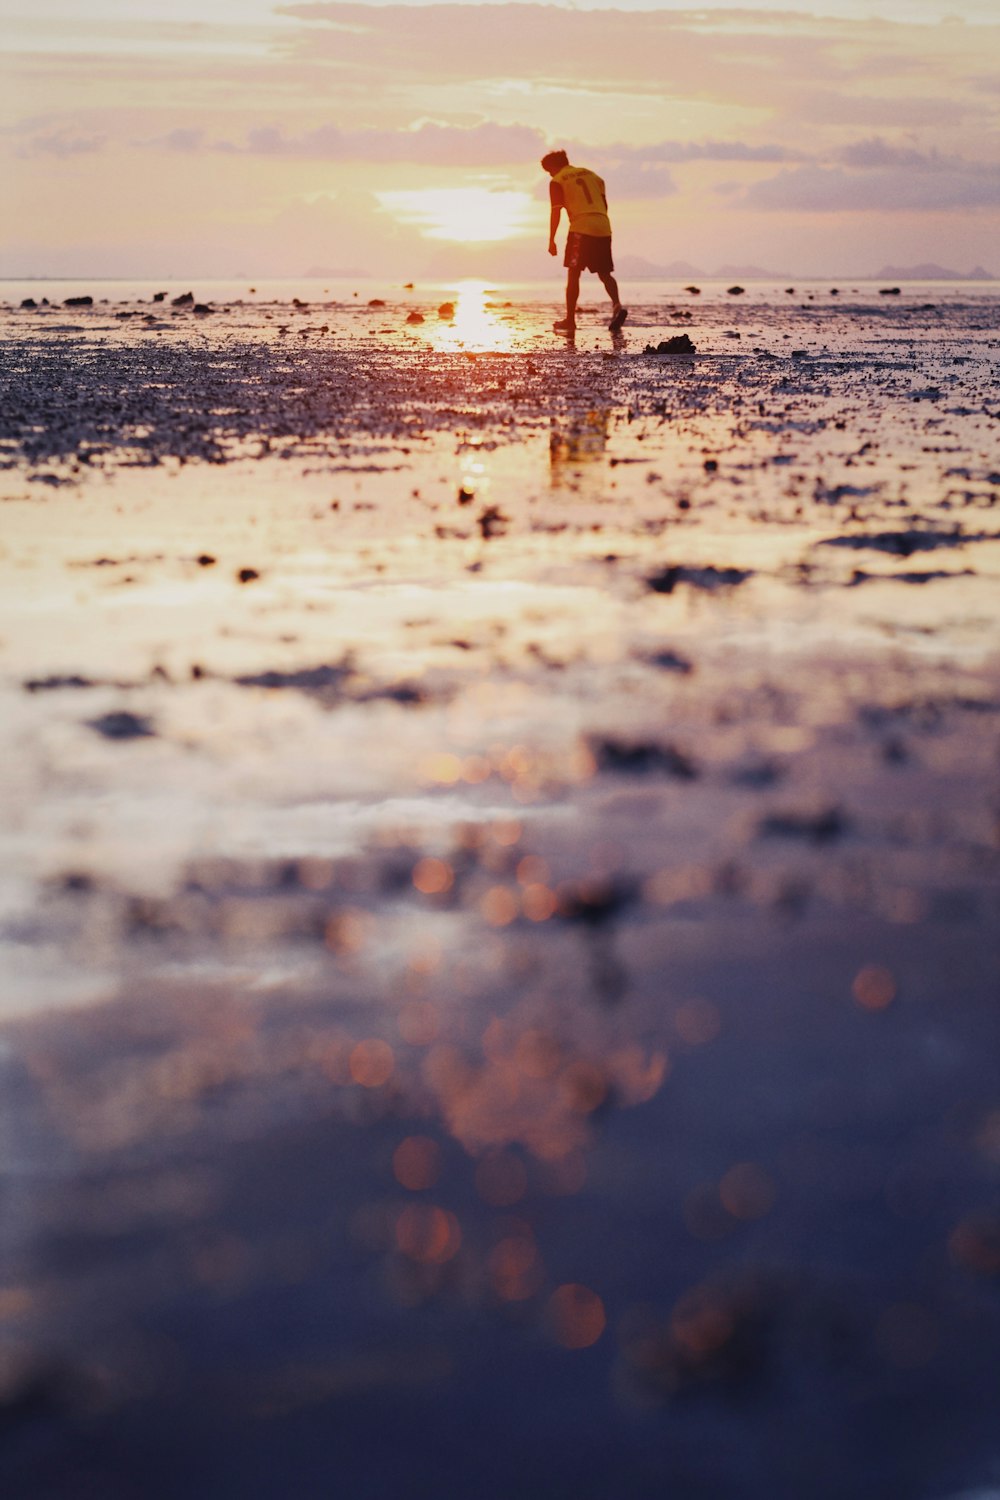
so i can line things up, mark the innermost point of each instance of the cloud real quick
(875, 152)
(429, 144)
(673, 51)
(824, 108)
(186, 140)
(685, 151)
(61, 144)
(881, 190)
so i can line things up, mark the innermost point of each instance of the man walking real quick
(588, 244)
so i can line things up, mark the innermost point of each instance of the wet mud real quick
(499, 900)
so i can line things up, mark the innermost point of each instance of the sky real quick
(200, 138)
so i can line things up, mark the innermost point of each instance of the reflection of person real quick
(588, 244)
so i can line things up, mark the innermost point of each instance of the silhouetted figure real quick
(588, 244)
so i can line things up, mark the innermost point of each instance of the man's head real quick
(554, 162)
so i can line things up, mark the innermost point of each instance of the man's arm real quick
(555, 211)
(555, 214)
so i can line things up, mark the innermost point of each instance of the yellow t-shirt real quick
(584, 199)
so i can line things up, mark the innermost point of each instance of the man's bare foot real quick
(565, 325)
(618, 317)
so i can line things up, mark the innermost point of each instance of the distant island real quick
(929, 271)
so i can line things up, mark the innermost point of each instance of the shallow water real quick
(501, 995)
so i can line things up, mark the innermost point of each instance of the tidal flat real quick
(498, 898)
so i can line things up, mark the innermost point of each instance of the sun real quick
(473, 215)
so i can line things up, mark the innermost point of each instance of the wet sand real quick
(499, 899)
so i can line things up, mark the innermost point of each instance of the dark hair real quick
(555, 161)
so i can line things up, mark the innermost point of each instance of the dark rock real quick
(414, 317)
(711, 465)
(376, 302)
(641, 757)
(814, 828)
(889, 291)
(903, 543)
(694, 290)
(491, 522)
(446, 310)
(594, 901)
(122, 725)
(860, 576)
(50, 684)
(79, 302)
(306, 679)
(205, 560)
(709, 577)
(670, 661)
(735, 291)
(159, 296)
(186, 299)
(202, 307)
(465, 497)
(679, 344)
(29, 302)
(247, 575)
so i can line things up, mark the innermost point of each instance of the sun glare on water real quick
(473, 215)
(477, 323)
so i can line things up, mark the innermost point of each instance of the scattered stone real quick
(306, 679)
(905, 543)
(122, 725)
(641, 757)
(376, 302)
(465, 497)
(205, 560)
(735, 291)
(186, 299)
(414, 317)
(814, 828)
(694, 290)
(595, 901)
(202, 307)
(860, 576)
(670, 661)
(159, 296)
(247, 575)
(29, 302)
(492, 522)
(79, 302)
(52, 684)
(446, 310)
(889, 291)
(709, 577)
(711, 466)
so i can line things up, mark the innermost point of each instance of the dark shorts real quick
(589, 252)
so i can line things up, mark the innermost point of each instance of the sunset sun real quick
(472, 215)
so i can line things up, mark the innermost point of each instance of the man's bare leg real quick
(568, 324)
(618, 313)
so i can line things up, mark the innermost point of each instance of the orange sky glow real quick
(243, 137)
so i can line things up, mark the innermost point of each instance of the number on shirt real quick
(581, 183)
